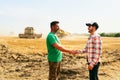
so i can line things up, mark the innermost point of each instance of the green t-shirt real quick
(54, 55)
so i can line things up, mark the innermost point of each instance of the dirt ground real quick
(16, 65)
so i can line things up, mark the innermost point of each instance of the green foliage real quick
(117, 35)
(110, 34)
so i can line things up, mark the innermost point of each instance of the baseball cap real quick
(93, 24)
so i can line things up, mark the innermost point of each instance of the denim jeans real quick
(93, 74)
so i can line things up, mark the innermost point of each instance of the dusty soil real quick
(16, 66)
(19, 66)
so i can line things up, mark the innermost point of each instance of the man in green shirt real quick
(54, 51)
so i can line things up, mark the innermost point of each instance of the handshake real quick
(74, 51)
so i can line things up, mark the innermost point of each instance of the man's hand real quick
(78, 51)
(90, 67)
(73, 52)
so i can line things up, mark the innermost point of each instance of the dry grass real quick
(36, 65)
(25, 45)
(39, 45)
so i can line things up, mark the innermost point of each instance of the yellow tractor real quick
(61, 33)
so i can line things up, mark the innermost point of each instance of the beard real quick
(56, 30)
(89, 31)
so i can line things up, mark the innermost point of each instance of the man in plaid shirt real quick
(93, 50)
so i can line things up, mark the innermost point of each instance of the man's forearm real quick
(60, 47)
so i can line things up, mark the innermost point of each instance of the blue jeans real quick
(93, 74)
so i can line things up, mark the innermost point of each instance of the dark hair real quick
(95, 25)
(96, 28)
(53, 23)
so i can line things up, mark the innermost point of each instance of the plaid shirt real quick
(93, 49)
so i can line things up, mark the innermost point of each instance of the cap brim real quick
(88, 24)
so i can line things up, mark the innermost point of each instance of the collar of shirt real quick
(95, 34)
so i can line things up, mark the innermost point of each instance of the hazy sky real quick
(15, 15)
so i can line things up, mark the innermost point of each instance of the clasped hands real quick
(74, 52)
